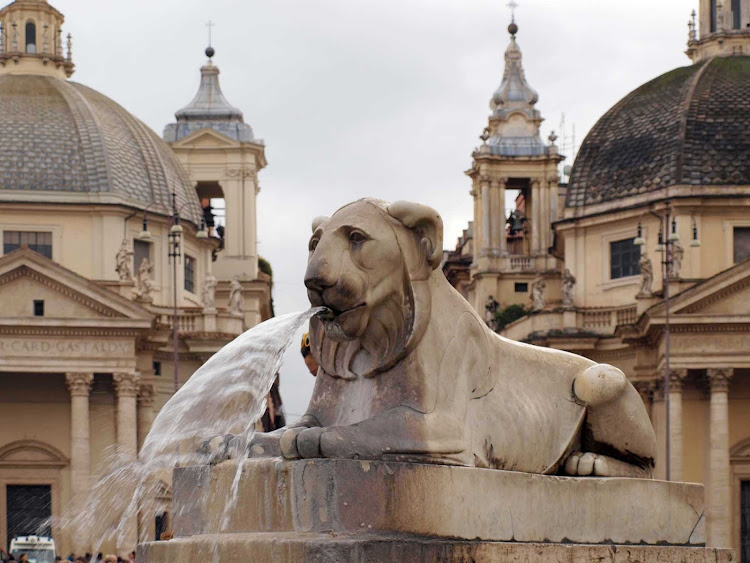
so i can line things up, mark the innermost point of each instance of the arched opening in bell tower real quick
(712, 15)
(30, 37)
(211, 196)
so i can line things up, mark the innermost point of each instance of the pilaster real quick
(719, 500)
(535, 217)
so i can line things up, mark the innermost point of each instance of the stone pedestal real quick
(346, 510)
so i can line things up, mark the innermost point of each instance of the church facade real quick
(107, 230)
(642, 259)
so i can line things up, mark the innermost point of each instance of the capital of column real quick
(500, 182)
(146, 394)
(79, 384)
(718, 379)
(645, 389)
(126, 384)
(677, 379)
(485, 180)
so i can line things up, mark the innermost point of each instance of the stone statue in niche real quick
(647, 276)
(209, 293)
(537, 293)
(678, 253)
(144, 285)
(236, 300)
(123, 261)
(490, 310)
(568, 287)
(410, 372)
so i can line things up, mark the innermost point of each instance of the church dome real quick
(688, 127)
(58, 138)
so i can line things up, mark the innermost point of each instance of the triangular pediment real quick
(27, 276)
(725, 294)
(206, 138)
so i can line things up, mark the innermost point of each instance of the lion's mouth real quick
(336, 313)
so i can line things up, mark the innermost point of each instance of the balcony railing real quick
(608, 318)
(193, 321)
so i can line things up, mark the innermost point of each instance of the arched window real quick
(31, 38)
(736, 14)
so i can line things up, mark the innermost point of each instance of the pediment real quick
(206, 138)
(26, 276)
(725, 294)
(31, 453)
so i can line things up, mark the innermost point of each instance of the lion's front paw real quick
(218, 449)
(301, 442)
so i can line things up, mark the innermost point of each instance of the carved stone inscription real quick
(68, 348)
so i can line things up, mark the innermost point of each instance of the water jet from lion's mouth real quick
(227, 395)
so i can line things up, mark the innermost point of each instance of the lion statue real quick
(410, 372)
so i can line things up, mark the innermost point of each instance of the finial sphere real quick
(513, 28)
(210, 52)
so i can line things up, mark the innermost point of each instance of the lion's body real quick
(409, 371)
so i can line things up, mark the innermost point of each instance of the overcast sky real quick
(354, 98)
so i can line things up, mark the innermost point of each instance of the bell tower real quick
(722, 29)
(512, 242)
(223, 158)
(31, 40)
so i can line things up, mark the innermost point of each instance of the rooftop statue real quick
(410, 372)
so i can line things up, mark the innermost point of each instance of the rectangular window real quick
(38, 307)
(522, 287)
(189, 273)
(141, 250)
(736, 14)
(741, 243)
(38, 242)
(712, 15)
(623, 258)
(157, 368)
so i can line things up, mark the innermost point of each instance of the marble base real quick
(325, 548)
(349, 510)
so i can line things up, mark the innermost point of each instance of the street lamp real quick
(667, 248)
(175, 254)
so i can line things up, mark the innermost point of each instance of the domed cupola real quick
(31, 40)
(514, 123)
(62, 141)
(209, 109)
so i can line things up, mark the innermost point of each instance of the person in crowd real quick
(23, 559)
(310, 362)
(131, 557)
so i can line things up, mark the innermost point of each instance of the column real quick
(676, 382)
(477, 224)
(535, 217)
(503, 246)
(646, 391)
(79, 385)
(146, 396)
(484, 186)
(495, 214)
(719, 501)
(126, 385)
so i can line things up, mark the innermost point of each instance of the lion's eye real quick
(357, 237)
(313, 244)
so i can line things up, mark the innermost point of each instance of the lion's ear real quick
(427, 222)
(317, 222)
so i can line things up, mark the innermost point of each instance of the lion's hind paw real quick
(584, 464)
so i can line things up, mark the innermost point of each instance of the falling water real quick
(227, 395)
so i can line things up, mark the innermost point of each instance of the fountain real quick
(428, 437)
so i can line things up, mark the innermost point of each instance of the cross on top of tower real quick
(210, 51)
(513, 5)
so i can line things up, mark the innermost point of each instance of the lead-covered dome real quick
(60, 137)
(690, 126)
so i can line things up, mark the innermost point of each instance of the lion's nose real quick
(318, 276)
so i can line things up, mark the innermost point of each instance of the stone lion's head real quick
(370, 264)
